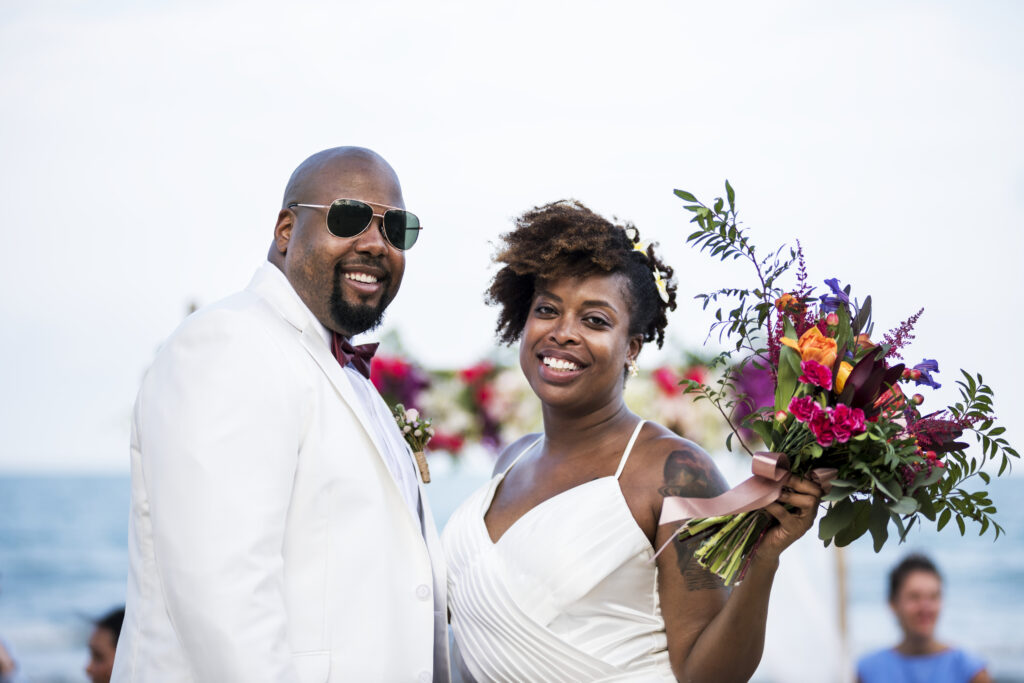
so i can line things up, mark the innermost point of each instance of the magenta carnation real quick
(847, 422)
(841, 426)
(802, 408)
(816, 373)
(821, 426)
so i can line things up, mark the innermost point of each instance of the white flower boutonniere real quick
(417, 432)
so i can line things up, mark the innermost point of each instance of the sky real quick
(144, 148)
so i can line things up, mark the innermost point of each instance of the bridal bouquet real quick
(840, 413)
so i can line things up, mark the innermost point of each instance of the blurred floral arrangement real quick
(492, 405)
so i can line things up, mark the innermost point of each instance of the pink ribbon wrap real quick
(771, 472)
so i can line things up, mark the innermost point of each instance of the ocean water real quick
(63, 561)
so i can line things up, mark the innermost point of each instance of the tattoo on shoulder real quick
(690, 474)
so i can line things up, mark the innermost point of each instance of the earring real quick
(633, 369)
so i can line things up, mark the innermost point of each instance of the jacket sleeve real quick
(219, 422)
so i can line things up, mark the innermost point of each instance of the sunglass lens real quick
(348, 217)
(402, 228)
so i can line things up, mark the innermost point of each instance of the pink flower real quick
(821, 426)
(666, 379)
(802, 408)
(841, 423)
(816, 373)
(856, 421)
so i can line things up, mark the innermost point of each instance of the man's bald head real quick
(353, 162)
(346, 282)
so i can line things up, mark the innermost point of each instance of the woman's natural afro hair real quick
(566, 239)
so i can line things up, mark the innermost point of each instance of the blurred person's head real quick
(915, 596)
(102, 643)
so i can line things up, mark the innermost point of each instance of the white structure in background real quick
(803, 643)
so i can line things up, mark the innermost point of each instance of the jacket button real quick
(423, 593)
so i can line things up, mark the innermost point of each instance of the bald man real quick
(279, 530)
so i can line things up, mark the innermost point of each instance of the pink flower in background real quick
(444, 441)
(667, 380)
(477, 372)
(698, 373)
(816, 373)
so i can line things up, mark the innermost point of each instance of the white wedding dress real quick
(568, 593)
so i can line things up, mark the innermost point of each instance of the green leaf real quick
(731, 195)
(762, 428)
(844, 334)
(838, 517)
(837, 493)
(859, 525)
(904, 506)
(879, 523)
(683, 194)
(789, 371)
(863, 316)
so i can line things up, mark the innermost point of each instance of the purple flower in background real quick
(927, 367)
(757, 385)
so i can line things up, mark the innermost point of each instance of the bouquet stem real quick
(727, 549)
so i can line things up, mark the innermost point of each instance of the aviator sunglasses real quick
(351, 217)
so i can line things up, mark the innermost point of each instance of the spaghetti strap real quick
(629, 447)
(521, 454)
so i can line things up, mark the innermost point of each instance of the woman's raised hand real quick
(795, 509)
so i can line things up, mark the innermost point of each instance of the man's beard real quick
(355, 318)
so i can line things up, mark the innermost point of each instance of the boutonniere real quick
(417, 432)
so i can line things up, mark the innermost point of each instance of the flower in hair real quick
(659, 281)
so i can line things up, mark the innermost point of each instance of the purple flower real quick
(927, 367)
(837, 291)
(829, 304)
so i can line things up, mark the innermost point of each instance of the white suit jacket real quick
(268, 540)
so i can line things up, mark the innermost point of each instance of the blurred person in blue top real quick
(8, 667)
(915, 597)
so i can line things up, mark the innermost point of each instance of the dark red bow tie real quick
(359, 356)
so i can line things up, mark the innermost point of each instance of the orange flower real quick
(785, 301)
(813, 345)
(788, 303)
(863, 342)
(844, 372)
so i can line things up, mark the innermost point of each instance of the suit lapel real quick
(271, 284)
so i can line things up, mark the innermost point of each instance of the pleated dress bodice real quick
(568, 593)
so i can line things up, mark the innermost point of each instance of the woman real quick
(550, 571)
(915, 596)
